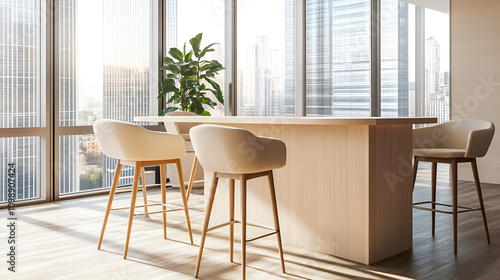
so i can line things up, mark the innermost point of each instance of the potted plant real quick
(189, 77)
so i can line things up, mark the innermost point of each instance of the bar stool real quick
(219, 150)
(182, 129)
(452, 142)
(136, 146)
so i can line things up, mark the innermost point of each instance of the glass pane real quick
(20, 75)
(437, 65)
(181, 28)
(88, 168)
(338, 58)
(24, 152)
(104, 61)
(397, 35)
(265, 39)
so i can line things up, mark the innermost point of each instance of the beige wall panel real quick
(475, 74)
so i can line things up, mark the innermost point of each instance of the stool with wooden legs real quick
(182, 129)
(219, 151)
(452, 142)
(135, 146)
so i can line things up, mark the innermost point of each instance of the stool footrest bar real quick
(262, 236)
(239, 222)
(156, 212)
(466, 209)
(139, 206)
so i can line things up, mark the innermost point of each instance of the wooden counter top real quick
(289, 120)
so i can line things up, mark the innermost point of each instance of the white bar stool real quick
(136, 146)
(452, 142)
(218, 149)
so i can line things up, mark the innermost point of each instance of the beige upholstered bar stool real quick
(182, 129)
(218, 149)
(136, 146)
(452, 142)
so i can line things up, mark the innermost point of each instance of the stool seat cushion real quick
(439, 153)
(236, 151)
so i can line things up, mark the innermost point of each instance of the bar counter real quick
(346, 189)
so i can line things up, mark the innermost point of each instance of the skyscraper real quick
(126, 55)
(68, 96)
(338, 57)
(436, 88)
(20, 95)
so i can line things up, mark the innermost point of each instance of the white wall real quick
(475, 74)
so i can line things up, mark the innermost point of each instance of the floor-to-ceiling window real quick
(436, 101)
(104, 71)
(23, 122)
(65, 64)
(265, 58)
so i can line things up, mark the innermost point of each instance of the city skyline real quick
(105, 73)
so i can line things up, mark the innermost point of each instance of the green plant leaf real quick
(167, 60)
(167, 82)
(195, 44)
(217, 95)
(188, 56)
(172, 68)
(176, 53)
(167, 110)
(206, 113)
(207, 49)
(214, 85)
(172, 98)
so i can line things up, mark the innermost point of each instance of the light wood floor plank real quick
(58, 241)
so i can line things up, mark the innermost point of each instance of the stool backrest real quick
(234, 150)
(128, 141)
(473, 135)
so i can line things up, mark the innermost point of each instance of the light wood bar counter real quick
(346, 189)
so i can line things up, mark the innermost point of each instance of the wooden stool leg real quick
(163, 187)
(135, 186)
(243, 226)
(276, 220)
(110, 201)
(231, 218)
(144, 194)
(415, 169)
(208, 211)
(184, 198)
(191, 177)
(454, 190)
(433, 194)
(480, 197)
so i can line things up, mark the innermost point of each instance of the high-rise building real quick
(394, 59)
(437, 99)
(68, 96)
(338, 57)
(20, 95)
(126, 58)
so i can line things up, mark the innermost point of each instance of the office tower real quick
(338, 57)
(20, 95)
(432, 66)
(126, 58)
(394, 59)
(289, 57)
(436, 90)
(263, 74)
(68, 96)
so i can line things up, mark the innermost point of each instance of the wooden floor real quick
(58, 241)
